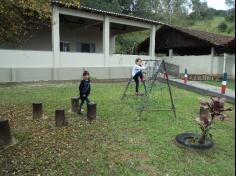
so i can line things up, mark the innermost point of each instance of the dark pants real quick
(136, 79)
(82, 102)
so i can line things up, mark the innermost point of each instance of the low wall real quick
(25, 59)
(204, 64)
(19, 65)
(46, 74)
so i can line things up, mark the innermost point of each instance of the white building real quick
(80, 38)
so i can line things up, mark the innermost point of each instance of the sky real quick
(217, 4)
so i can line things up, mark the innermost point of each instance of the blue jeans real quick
(136, 79)
(82, 102)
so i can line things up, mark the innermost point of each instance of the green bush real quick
(222, 27)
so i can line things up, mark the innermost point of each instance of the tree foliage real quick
(20, 18)
(230, 3)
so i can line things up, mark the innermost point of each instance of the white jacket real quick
(137, 68)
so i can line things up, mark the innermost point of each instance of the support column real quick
(56, 41)
(13, 75)
(152, 42)
(212, 60)
(224, 64)
(170, 53)
(106, 41)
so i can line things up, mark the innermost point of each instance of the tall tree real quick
(20, 18)
(199, 9)
(230, 3)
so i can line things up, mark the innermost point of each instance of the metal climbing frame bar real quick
(154, 69)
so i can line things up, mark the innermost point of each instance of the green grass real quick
(211, 25)
(115, 144)
(230, 84)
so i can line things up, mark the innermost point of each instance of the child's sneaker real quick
(138, 94)
(80, 111)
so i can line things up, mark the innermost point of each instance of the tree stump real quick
(60, 119)
(5, 133)
(37, 110)
(92, 112)
(74, 104)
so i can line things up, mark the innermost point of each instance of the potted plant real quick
(215, 109)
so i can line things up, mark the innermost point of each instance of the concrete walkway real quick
(204, 89)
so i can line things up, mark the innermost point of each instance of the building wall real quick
(82, 35)
(204, 64)
(41, 40)
(21, 65)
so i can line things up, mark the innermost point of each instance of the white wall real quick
(203, 64)
(20, 65)
(25, 59)
(125, 60)
(81, 60)
(230, 65)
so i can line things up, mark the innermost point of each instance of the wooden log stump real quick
(92, 112)
(60, 119)
(5, 133)
(74, 104)
(37, 110)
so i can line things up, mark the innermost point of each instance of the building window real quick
(64, 46)
(87, 48)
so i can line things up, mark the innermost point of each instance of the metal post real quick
(170, 92)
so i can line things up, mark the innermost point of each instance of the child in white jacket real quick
(137, 73)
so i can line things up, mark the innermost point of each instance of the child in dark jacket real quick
(84, 90)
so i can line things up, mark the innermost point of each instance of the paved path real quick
(204, 89)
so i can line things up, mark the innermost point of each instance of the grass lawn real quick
(230, 84)
(113, 145)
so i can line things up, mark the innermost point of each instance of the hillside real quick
(211, 25)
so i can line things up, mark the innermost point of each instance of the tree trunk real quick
(37, 110)
(74, 104)
(92, 112)
(5, 133)
(60, 119)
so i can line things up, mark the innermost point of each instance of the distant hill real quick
(216, 25)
